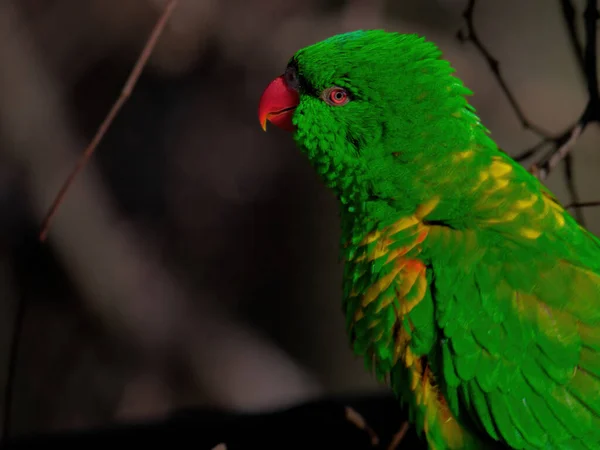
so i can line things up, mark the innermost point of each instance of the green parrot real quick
(467, 287)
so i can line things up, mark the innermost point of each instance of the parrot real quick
(467, 288)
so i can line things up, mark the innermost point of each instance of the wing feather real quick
(522, 326)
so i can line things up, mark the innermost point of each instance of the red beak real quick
(277, 105)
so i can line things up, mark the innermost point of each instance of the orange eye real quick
(336, 96)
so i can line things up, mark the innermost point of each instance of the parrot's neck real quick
(492, 172)
(361, 218)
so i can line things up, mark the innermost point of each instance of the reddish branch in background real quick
(104, 126)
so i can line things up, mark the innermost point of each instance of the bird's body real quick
(466, 285)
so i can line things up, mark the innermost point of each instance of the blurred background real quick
(195, 261)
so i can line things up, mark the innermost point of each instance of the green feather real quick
(503, 421)
(479, 402)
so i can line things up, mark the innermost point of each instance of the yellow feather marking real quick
(500, 184)
(407, 306)
(400, 251)
(426, 387)
(586, 274)
(359, 314)
(432, 404)
(371, 237)
(402, 340)
(463, 155)
(385, 302)
(408, 357)
(557, 211)
(483, 176)
(545, 210)
(381, 249)
(451, 430)
(560, 219)
(530, 233)
(507, 217)
(402, 224)
(379, 286)
(399, 225)
(410, 290)
(426, 208)
(408, 280)
(554, 205)
(416, 377)
(379, 336)
(526, 305)
(499, 168)
(528, 203)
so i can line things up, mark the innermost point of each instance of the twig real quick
(558, 155)
(355, 418)
(125, 93)
(533, 150)
(220, 446)
(570, 180)
(399, 436)
(582, 205)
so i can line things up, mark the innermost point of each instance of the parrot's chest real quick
(369, 324)
(384, 280)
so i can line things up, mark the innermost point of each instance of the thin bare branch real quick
(558, 155)
(572, 188)
(582, 205)
(359, 421)
(399, 436)
(125, 93)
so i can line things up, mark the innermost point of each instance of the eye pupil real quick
(338, 96)
(335, 96)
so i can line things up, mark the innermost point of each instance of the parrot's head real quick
(378, 114)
